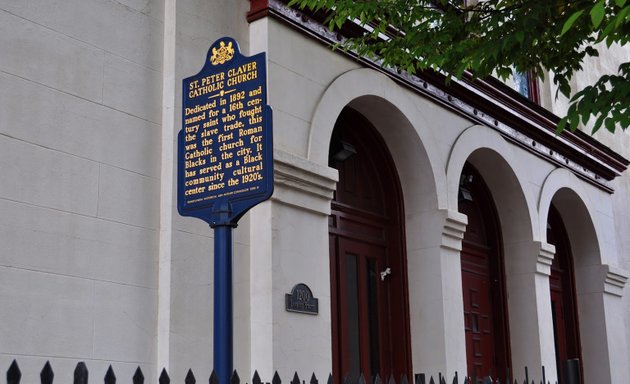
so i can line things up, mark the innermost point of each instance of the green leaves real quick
(570, 21)
(495, 38)
(608, 100)
(597, 13)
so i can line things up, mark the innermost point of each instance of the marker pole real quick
(223, 327)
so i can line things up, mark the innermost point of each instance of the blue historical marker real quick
(225, 164)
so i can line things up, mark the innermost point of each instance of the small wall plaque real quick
(301, 300)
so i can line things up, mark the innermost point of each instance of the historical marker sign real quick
(225, 164)
(301, 300)
(225, 157)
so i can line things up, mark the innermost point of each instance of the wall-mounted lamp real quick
(342, 151)
(465, 179)
(464, 194)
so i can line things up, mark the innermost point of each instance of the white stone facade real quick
(96, 264)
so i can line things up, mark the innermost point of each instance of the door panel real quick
(370, 314)
(478, 323)
(362, 297)
(562, 294)
(485, 317)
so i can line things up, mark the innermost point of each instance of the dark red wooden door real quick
(368, 269)
(364, 320)
(478, 321)
(562, 294)
(485, 317)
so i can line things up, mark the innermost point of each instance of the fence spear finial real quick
(190, 377)
(110, 377)
(164, 379)
(47, 375)
(81, 373)
(13, 374)
(138, 377)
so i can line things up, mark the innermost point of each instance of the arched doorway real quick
(562, 294)
(370, 320)
(483, 282)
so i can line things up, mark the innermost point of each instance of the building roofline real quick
(486, 101)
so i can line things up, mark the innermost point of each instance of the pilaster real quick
(602, 323)
(528, 267)
(303, 184)
(290, 233)
(436, 305)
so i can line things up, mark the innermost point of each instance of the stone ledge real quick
(614, 280)
(302, 183)
(454, 229)
(545, 258)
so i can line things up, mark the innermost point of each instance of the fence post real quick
(164, 379)
(256, 378)
(110, 377)
(190, 377)
(81, 374)
(235, 379)
(296, 379)
(47, 375)
(13, 374)
(276, 378)
(138, 377)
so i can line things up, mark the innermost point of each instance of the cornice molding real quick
(614, 280)
(488, 102)
(303, 184)
(545, 257)
(453, 230)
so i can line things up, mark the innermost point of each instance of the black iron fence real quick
(81, 374)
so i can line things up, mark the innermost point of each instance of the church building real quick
(442, 228)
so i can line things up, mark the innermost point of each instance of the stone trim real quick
(545, 258)
(488, 102)
(301, 183)
(614, 280)
(453, 230)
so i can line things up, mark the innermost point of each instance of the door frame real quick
(562, 285)
(392, 237)
(490, 225)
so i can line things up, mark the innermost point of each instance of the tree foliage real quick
(498, 37)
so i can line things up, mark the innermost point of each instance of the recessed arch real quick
(569, 197)
(386, 106)
(563, 190)
(563, 294)
(368, 258)
(483, 280)
(504, 172)
(494, 159)
(409, 126)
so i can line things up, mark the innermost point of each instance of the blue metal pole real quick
(223, 335)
